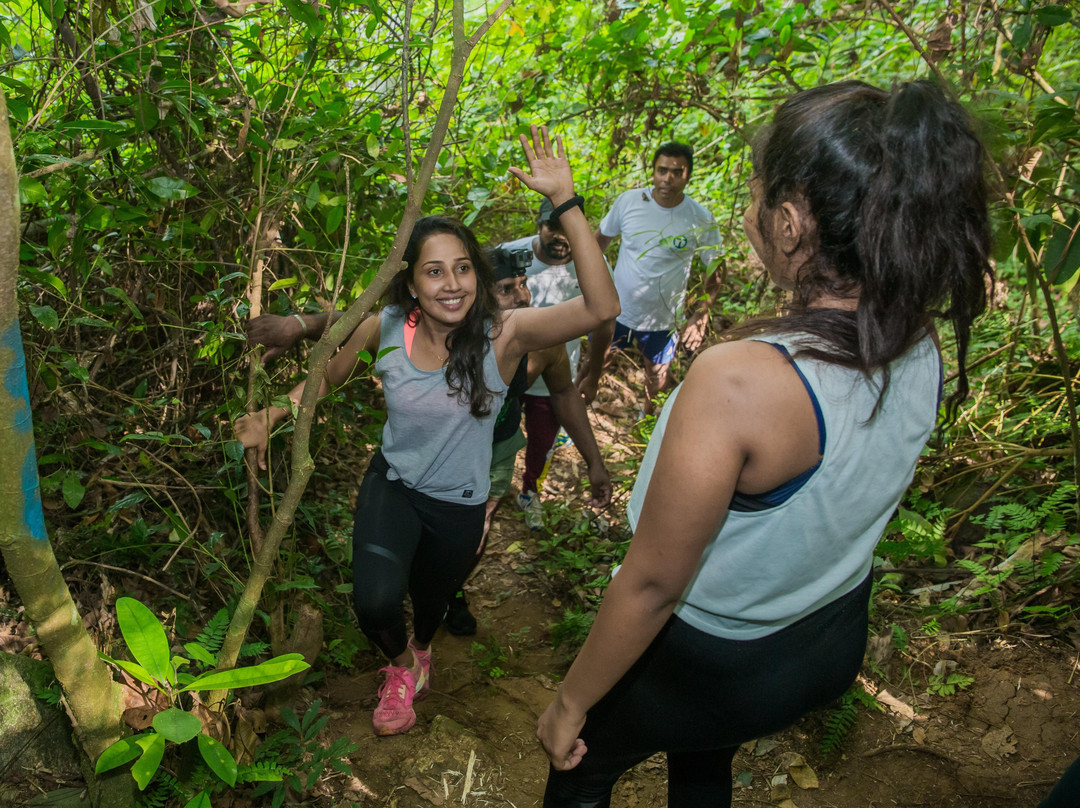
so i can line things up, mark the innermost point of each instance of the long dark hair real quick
(894, 182)
(469, 342)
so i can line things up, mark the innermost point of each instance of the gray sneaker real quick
(529, 502)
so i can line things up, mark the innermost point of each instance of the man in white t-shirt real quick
(551, 279)
(661, 230)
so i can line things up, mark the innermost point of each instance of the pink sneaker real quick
(395, 713)
(423, 681)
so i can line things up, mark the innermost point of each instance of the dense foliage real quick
(172, 150)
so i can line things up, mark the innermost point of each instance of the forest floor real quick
(1001, 740)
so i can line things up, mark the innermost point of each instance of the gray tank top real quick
(769, 568)
(431, 441)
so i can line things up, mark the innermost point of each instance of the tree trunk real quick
(93, 699)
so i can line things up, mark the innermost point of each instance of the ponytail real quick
(894, 182)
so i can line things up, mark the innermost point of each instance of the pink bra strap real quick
(410, 332)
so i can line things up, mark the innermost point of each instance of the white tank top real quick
(767, 569)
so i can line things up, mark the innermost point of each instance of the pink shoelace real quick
(398, 687)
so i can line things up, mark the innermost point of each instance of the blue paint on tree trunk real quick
(33, 516)
(15, 385)
(15, 377)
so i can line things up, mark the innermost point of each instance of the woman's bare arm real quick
(531, 329)
(725, 418)
(253, 430)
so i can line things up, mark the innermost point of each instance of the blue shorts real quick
(657, 346)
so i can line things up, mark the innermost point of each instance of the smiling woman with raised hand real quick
(742, 601)
(420, 509)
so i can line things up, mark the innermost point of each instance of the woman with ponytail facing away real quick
(775, 466)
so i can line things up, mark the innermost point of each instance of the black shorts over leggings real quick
(407, 541)
(698, 697)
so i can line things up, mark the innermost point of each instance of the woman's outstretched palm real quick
(549, 170)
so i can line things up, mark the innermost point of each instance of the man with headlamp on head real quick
(552, 279)
(552, 365)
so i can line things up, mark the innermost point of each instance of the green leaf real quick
(1053, 15)
(1021, 36)
(200, 800)
(146, 113)
(133, 668)
(372, 144)
(1062, 257)
(171, 188)
(121, 295)
(1036, 220)
(45, 278)
(284, 283)
(153, 746)
(145, 638)
(197, 651)
(273, 670)
(219, 760)
(176, 725)
(286, 143)
(31, 191)
(234, 450)
(123, 751)
(98, 218)
(333, 219)
(46, 315)
(313, 194)
(302, 13)
(73, 490)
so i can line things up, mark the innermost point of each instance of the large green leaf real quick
(176, 725)
(1053, 15)
(46, 315)
(1062, 257)
(171, 188)
(144, 769)
(197, 651)
(273, 670)
(31, 191)
(135, 669)
(219, 760)
(73, 490)
(200, 800)
(123, 751)
(145, 638)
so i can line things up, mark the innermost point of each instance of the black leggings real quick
(1066, 793)
(698, 697)
(403, 539)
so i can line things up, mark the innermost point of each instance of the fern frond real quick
(253, 649)
(163, 788)
(261, 772)
(213, 634)
(840, 721)
(837, 725)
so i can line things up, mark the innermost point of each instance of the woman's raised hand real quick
(549, 170)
